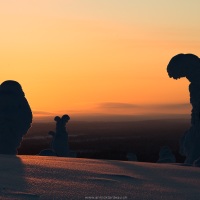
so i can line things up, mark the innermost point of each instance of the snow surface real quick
(41, 177)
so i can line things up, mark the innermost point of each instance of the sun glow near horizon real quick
(76, 56)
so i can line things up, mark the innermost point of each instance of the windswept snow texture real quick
(36, 177)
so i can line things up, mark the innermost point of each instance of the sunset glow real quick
(98, 56)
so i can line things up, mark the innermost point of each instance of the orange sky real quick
(86, 56)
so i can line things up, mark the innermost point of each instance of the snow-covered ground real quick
(38, 177)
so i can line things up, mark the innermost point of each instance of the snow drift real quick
(41, 177)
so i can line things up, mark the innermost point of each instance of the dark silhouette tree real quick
(15, 116)
(188, 65)
(59, 144)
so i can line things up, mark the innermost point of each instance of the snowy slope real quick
(34, 177)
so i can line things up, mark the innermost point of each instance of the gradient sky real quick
(98, 56)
